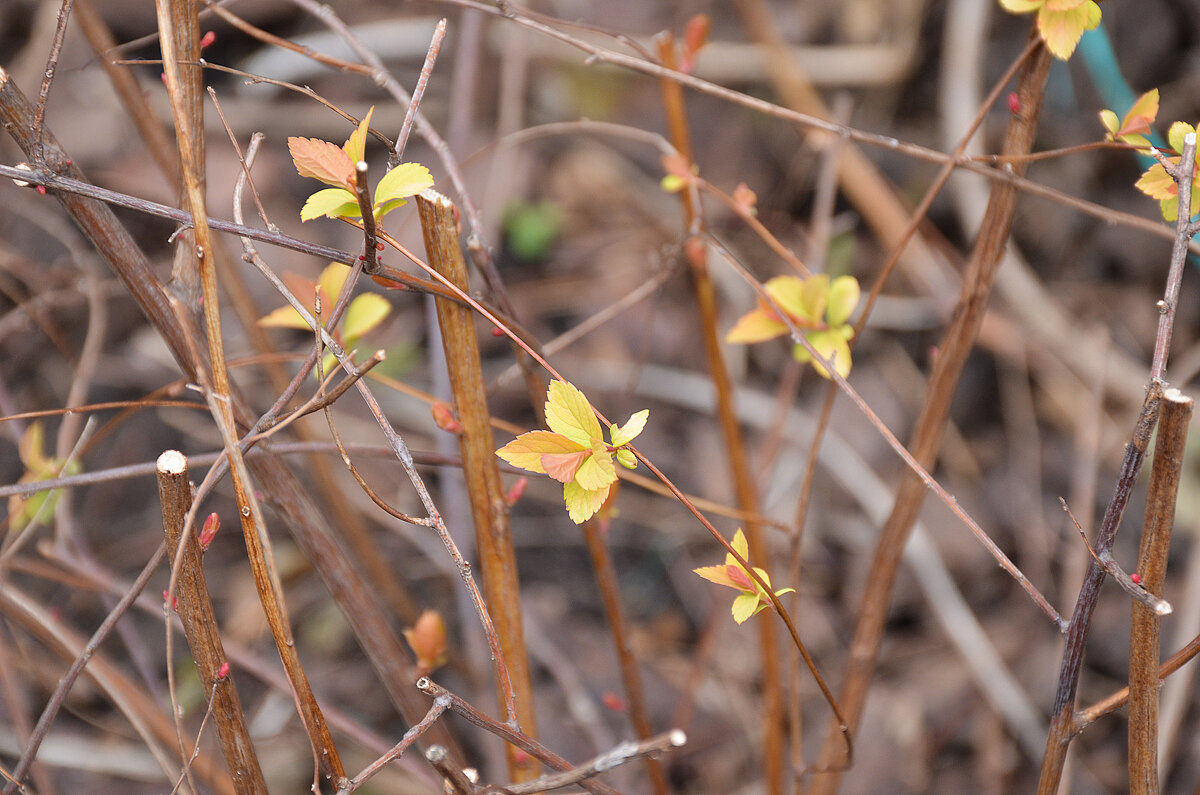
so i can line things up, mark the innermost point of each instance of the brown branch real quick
(1175, 413)
(954, 349)
(199, 619)
(489, 508)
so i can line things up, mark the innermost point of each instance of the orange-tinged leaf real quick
(322, 160)
(365, 312)
(569, 413)
(330, 202)
(356, 145)
(564, 466)
(717, 574)
(582, 504)
(526, 450)
(406, 179)
(1061, 30)
(755, 326)
(597, 471)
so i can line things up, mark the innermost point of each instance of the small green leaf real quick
(629, 431)
(406, 179)
(332, 203)
(626, 459)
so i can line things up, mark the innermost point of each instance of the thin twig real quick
(505, 732)
(435, 47)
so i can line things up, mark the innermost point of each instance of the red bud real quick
(516, 491)
(1136, 578)
(428, 640)
(223, 671)
(497, 331)
(1014, 102)
(612, 701)
(444, 418)
(695, 34)
(208, 38)
(209, 531)
(174, 601)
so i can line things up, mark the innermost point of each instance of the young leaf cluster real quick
(574, 452)
(364, 313)
(1061, 23)
(751, 598)
(819, 307)
(38, 466)
(335, 165)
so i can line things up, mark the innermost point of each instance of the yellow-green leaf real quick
(1110, 122)
(744, 606)
(569, 413)
(1021, 6)
(597, 470)
(788, 292)
(1176, 134)
(843, 297)
(582, 503)
(356, 145)
(1061, 30)
(814, 295)
(1157, 183)
(626, 459)
(365, 312)
(330, 202)
(406, 179)
(827, 343)
(389, 205)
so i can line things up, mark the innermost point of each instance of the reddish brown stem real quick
(199, 619)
